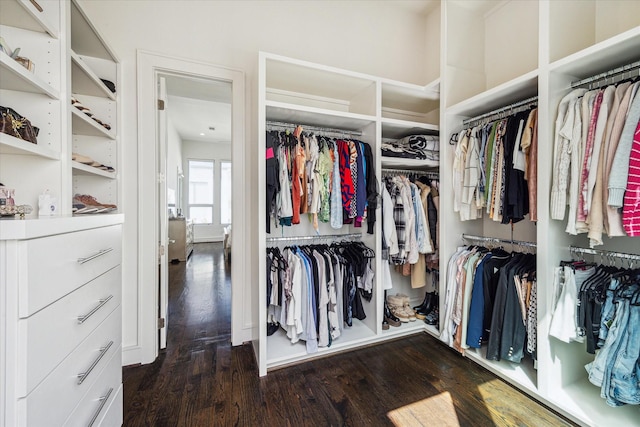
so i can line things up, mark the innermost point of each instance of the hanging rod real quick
(500, 112)
(319, 237)
(428, 174)
(498, 240)
(609, 77)
(577, 250)
(311, 128)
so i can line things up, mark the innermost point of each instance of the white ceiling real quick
(194, 105)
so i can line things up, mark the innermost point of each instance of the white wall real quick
(195, 150)
(174, 156)
(375, 37)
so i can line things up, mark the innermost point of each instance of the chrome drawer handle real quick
(94, 256)
(103, 401)
(83, 376)
(102, 302)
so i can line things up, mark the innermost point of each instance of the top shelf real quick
(85, 81)
(85, 39)
(23, 14)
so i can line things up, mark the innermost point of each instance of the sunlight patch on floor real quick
(435, 410)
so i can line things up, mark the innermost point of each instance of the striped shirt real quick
(631, 207)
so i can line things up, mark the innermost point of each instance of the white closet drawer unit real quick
(60, 327)
(102, 405)
(53, 400)
(53, 266)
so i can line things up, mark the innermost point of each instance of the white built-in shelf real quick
(82, 169)
(85, 39)
(583, 402)
(84, 81)
(400, 163)
(397, 129)
(312, 116)
(515, 90)
(85, 125)
(404, 329)
(522, 375)
(409, 101)
(14, 76)
(13, 145)
(616, 51)
(281, 352)
(23, 14)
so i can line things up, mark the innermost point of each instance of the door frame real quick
(149, 66)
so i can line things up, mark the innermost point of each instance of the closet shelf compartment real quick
(84, 81)
(397, 129)
(507, 93)
(581, 401)
(82, 169)
(402, 163)
(13, 145)
(613, 52)
(85, 39)
(289, 113)
(14, 76)
(84, 125)
(22, 14)
(281, 352)
(522, 375)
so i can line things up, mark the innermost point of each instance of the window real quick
(201, 191)
(225, 192)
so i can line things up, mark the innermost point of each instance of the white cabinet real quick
(180, 239)
(61, 321)
(338, 102)
(71, 59)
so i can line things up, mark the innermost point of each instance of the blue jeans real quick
(625, 381)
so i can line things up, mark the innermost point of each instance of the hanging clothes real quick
(314, 291)
(493, 166)
(594, 169)
(490, 300)
(332, 180)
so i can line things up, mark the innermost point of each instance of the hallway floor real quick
(200, 380)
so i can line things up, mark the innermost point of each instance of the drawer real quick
(55, 398)
(102, 405)
(48, 336)
(53, 266)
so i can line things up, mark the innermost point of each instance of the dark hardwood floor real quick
(200, 380)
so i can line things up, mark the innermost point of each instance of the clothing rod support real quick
(321, 237)
(577, 250)
(525, 103)
(498, 240)
(611, 73)
(292, 126)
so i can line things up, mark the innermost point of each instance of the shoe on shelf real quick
(396, 306)
(433, 318)
(272, 327)
(389, 317)
(385, 324)
(410, 313)
(430, 301)
(88, 200)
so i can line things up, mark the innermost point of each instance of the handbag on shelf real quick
(17, 126)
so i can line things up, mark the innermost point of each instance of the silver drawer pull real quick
(94, 256)
(101, 303)
(83, 376)
(103, 401)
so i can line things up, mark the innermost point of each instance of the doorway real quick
(194, 144)
(152, 247)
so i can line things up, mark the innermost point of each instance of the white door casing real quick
(163, 229)
(149, 65)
